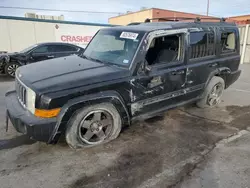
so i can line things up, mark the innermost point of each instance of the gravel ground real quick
(159, 152)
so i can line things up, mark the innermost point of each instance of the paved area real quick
(225, 167)
(159, 152)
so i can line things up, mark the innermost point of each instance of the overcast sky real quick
(221, 8)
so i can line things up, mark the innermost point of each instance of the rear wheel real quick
(212, 94)
(93, 125)
(10, 68)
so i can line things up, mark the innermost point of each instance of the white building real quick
(18, 33)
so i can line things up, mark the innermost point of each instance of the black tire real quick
(74, 132)
(206, 102)
(10, 68)
(2, 66)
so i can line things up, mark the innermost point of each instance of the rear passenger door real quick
(202, 61)
(62, 50)
(229, 48)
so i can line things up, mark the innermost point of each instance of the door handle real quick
(50, 56)
(213, 65)
(178, 72)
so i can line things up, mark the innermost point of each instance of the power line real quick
(208, 7)
(62, 10)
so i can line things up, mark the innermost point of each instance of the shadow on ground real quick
(15, 142)
(5, 78)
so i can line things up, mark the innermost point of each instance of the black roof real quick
(151, 26)
(51, 43)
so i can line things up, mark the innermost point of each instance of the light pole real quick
(208, 7)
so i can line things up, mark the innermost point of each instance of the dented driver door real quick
(161, 87)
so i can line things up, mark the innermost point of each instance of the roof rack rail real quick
(176, 19)
(135, 23)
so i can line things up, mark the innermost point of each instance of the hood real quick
(67, 72)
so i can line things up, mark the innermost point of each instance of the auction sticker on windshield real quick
(129, 35)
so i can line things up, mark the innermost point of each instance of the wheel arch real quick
(73, 105)
(222, 72)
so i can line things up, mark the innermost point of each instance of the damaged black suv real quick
(126, 73)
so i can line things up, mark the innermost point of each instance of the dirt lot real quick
(155, 153)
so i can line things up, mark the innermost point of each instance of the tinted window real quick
(28, 49)
(228, 42)
(201, 44)
(41, 49)
(62, 48)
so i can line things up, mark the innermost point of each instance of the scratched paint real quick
(132, 96)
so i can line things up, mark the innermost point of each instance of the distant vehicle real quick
(125, 74)
(9, 62)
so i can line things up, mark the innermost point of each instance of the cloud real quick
(221, 8)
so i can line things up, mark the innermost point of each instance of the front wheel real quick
(93, 125)
(212, 94)
(10, 68)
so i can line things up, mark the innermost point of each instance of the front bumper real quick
(232, 77)
(39, 129)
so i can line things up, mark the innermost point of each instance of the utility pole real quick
(208, 7)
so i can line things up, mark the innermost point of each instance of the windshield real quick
(112, 46)
(28, 49)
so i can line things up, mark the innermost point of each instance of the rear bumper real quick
(232, 77)
(39, 129)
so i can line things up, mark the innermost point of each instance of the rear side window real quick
(202, 44)
(62, 48)
(228, 43)
(41, 49)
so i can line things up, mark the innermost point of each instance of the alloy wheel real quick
(95, 127)
(11, 69)
(215, 95)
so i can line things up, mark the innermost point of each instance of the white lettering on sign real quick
(129, 35)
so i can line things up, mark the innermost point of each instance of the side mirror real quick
(144, 68)
(147, 69)
(32, 54)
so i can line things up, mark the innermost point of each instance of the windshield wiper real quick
(96, 60)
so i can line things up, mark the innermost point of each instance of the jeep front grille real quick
(21, 92)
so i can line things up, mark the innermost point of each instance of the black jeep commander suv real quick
(126, 73)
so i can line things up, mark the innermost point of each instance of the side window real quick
(228, 43)
(165, 49)
(62, 48)
(202, 44)
(41, 49)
